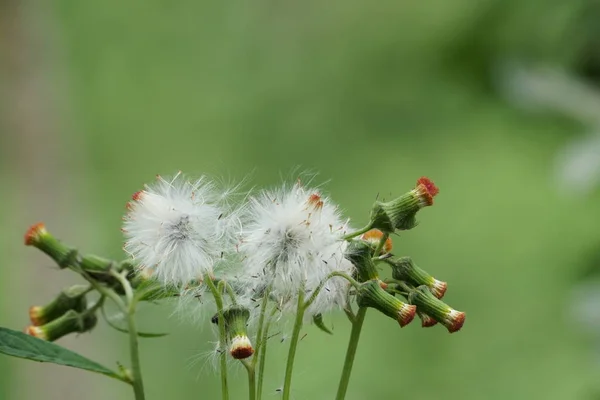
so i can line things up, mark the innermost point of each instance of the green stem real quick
(350, 353)
(294, 344)
(251, 379)
(358, 232)
(222, 335)
(381, 244)
(136, 368)
(263, 353)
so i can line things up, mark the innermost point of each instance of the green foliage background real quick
(371, 96)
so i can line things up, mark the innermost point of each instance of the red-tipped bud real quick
(399, 214)
(373, 237)
(72, 298)
(235, 319)
(372, 295)
(35, 233)
(427, 303)
(404, 269)
(70, 322)
(241, 347)
(426, 320)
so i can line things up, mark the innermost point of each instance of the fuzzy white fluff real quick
(293, 237)
(179, 229)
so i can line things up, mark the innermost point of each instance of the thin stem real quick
(222, 335)
(381, 244)
(294, 344)
(351, 352)
(263, 353)
(261, 323)
(230, 292)
(136, 368)
(251, 379)
(358, 232)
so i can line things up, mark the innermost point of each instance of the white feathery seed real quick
(293, 237)
(179, 229)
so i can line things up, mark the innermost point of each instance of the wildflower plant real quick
(279, 255)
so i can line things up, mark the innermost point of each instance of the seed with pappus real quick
(293, 239)
(179, 228)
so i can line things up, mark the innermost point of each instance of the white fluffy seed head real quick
(179, 229)
(294, 237)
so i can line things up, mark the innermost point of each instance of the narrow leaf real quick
(18, 344)
(318, 321)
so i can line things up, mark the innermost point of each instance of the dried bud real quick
(405, 269)
(400, 213)
(426, 302)
(70, 322)
(372, 295)
(236, 319)
(373, 237)
(72, 298)
(361, 255)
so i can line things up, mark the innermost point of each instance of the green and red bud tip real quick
(37, 332)
(406, 314)
(429, 185)
(426, 320)
(373, 237)
(426, 190)
(34, 232)
(438, 288)
(35, 314)
(241, 347)
(455, 320)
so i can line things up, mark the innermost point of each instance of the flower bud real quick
(426, 320)
(360, 254)
(72, 298)
(426, 302)
(373, 237)
(38, 236)
(405, 269)
(400, 213)
(235, 319)
(70, 322)
(372, 295)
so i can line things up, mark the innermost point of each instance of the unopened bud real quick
(361, 255)
(236, 319)
(400, 213)
(68, 323)
(372, 295)
(405, 269)
(373, 237)
(426, 320)
(426, 302)
(72, 298)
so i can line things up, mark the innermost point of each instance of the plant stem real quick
(251, 379)
(358, 232)
(222, 335)
(136, 369)
(294, 344)
(263, 354)
(351, 352)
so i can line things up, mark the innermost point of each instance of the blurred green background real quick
(98, 97)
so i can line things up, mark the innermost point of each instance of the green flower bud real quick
(404, 269)
(399, 214)
(372, 295)
(72, 298)
(236, 320)
(426, 302)
(70, 322)
(360, 254)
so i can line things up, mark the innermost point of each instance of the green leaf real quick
(318, 321)
(18, 344)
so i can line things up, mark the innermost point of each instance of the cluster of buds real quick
(69, 312)
(421, 291)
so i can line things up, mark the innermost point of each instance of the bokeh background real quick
(496, 100)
